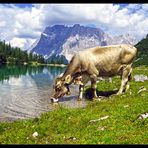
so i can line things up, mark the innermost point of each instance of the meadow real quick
(113, 120)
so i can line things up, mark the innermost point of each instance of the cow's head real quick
(61, 87)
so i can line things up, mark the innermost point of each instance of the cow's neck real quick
(71, 70)
(68, 72)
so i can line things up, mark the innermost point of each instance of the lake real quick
(25, 91)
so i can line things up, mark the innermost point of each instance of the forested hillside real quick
(14, 55)
(142, 56)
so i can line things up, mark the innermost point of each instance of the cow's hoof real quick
(53, 100)
(79, 99)
(96, 99)
(118, 93)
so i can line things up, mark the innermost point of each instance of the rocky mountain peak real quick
(65, 40)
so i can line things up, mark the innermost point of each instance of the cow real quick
(92, 63)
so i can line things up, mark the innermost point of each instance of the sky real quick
(22, 24)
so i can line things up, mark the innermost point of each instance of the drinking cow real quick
(105, 61)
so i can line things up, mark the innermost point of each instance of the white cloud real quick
(17, 42)
(19, 25)
(2, 24)
(21, 42)
(77, 13)
(22, 26)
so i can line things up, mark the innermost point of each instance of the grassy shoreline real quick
(42, 64)
(73, 126)
(36, 64)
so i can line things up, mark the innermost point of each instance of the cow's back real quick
(107, 59)
(105, 54)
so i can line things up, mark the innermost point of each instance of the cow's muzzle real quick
(54, 100)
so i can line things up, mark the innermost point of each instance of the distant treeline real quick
(57, 59)
(15, 55)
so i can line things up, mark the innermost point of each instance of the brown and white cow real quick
(89, 64)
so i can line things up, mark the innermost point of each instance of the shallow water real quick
(25, 92)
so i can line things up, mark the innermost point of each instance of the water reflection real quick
(25, 91)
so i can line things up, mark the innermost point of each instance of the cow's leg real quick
(81, 81)
(93, 79)
(94, 89)
(93, 74)
(126, 74)
(128, 83)
(81, 89)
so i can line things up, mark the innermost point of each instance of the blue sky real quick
(22, 24)
(24, 5)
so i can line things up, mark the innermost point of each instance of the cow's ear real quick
(67, 79)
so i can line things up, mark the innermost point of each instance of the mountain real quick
(64, 40)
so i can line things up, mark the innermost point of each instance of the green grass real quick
(72, 126)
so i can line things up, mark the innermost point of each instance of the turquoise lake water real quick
(25, 91)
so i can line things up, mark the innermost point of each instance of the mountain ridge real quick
(64, 40)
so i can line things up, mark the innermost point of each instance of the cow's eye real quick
(58, 89)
